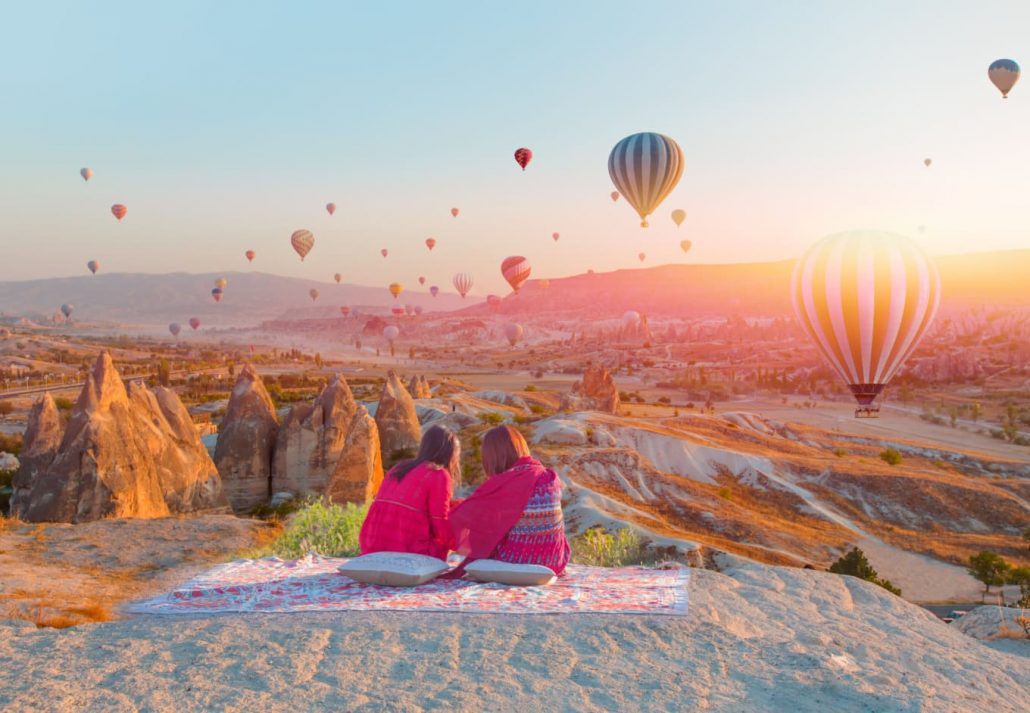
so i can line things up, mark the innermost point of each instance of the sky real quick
(226, 126)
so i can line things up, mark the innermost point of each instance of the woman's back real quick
(539, 535)
(410, 514)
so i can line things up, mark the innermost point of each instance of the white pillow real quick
(393, 569)
(523, 575)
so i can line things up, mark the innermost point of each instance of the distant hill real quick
(250, 297)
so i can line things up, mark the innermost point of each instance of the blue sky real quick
(226, 126)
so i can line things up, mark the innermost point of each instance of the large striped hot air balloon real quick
(523, 156)
(119, 211)
(645, 168)
(396, 289)
(302, 242)
(463, 283)
(93, 266)
(865, 299)
(1003, 73)
(515, 270)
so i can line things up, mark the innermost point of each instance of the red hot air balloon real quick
(384, 252)
(642, 256)
(397, 311)
(330, 207)
(302, 242)
(194, 323)
(555, 236)
(523, 156)
(515, 270)
(216, 294)
(614, 195)
(421, 280)
(430, 243)
(454, 212)
(93, 266)
(119, 211)
(250, 255)
(434, 290)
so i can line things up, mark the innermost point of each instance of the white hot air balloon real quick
(463, 283)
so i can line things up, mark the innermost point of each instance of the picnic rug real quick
(272, 585)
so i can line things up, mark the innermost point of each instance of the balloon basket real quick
(867, 412)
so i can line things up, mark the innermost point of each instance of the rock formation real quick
(397, 419)
(246, 439)
(39, 446)
(125, 453)
(311, 440)
(596, 391)
(418, 387)
(359, 471)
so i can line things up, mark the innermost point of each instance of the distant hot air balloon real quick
(409, 309)
(313, 294)
(302, 242)
(631, 318)
(614, 195)
(86, 173)
(430, 243)
(642, 256)
(454, 212)
(194, 323)
(397, 311)
(1003, 73)
(865, 299)
(421, 280)
(345, 310)
(330, 207)
(515, 270)
(434, 290)
(545, 284)
(555, 236)
(678, 216)
(93, 266)
(216, 294)
(513, 332)
(391, 332)
(395, 289)
(463, 283)
(645, 168)
(493, 300)
(221, 282)
(523, 156)
(384, 252)
(685, 245)
(927, 162)
(174, 328)
(119, 211)
(67, 309)
(418, 309)
(250, 255)
(338, 277)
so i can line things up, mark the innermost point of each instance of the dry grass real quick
(264, 539)
(9, 523)
(45, 611)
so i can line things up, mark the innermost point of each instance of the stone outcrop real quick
(418, 387)
(596, 391)
(312, 439)
(359, 471)
(124, 453)
(246, 440)
(42, 438)
(396, 418)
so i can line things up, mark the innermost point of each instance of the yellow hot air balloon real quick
(865, 299)
(302, 241)
(396, 289)
(645, 168)
(222, 283)
(685, 245)
(678, 216)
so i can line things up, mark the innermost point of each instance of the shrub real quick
(989, 568)
(64, 404)
(725, 493)
(530, 388)
(664, 400)
(537, 409)
(856, 564)
(323, 527)
(839, 452)
(890, 456)
(492, 418)
(598, 548)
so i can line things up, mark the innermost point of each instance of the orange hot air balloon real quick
(384, 252)
(678, 216)
(515, 270)
(337, 276)
(313, 293)
(345, 310)
(330, 207)
(119, 211)
(421, 280)
(396, 289)
(430, 243)
(302, 242)
(685, 245)
(221, 282)
(93, 266)
(555, 236)
(250, 255)
(642, 256)
(454, 212)
(614, 195)
(523, 156)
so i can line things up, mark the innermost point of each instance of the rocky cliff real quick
(397, 419)
(596, 391)
(246, 440)
(42, 438)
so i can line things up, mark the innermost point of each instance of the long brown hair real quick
(502, 446)
(439, 446)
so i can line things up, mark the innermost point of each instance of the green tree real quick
(854, 563)
(989, 568)
(1020, 576)
(891, 456)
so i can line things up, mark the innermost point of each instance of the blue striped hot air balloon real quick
(645, 168)
(1003, 73)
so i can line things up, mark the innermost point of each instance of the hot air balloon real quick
(430, 243)
(642, 256)
(337, 276)
(421, 280)
(631, 318)
(86, 173)
(418, 309)
(523, 156)
(395, 289)
(515, 270)
(119, 211)
(1003, 73)
(216, 294)
(927, 162)
(685, 245)
(545, 284)
(493, 300)
(391, 332)
(397, 311)
(345, 310)
(645, 168)
(614, 195)
(221, 282)
(330, 207)
(454, 212)
(67, 309)
(302, 242)
(93, 266)
(174, 328)
(555, 236)
(194, 323)
(463, 283)
(678, 216)
(384, 252)
(434, 290)
(513, 332)
(409, 309)
(313, 294)
(250, 255)
(865, 299)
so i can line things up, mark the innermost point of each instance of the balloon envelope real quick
(397, 311)
(216, 294)
(454, 212)
(513, 332)
(384, 252)
(221, 282)
(865, 299)
(430, 243)
(614, 195)
(555, 236)
(345, 310)
(391, 332)
(1003, 73)
(927, 162)
(67, 309)
(119, 211)
(645, 168)
(641, 256)
(434, 290)
(685, 245)
(330, 207)
(493, 300)
(678, 216)
(86, 173)
(421, 280)
(396, 288)
(630, 318)
(250, 255)
(194, 323)
(174, 328)
(463, 283)
(313, 294)
(515, 270)
(93, 266)
(523, 156)
(337, 276)
(302, 242)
